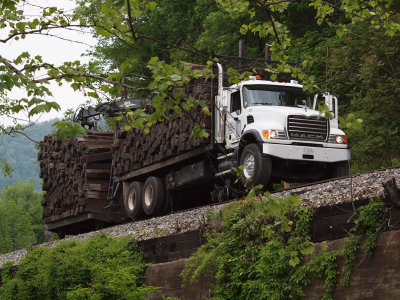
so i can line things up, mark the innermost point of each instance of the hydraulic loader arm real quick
(109, 109)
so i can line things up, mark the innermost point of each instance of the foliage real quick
(123, 26)
(6, 270)
(21, 223)
(68, 128)
(5, 168)
(369, 83)
(100, 268)
(337, 41)
(258, 248)
(369, 222)
(261, 248)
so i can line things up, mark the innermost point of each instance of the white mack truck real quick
(270, 131)
(265, 131)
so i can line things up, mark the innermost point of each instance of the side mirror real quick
(329, 100)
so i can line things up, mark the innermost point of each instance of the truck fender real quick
(249, 137)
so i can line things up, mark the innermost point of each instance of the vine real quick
(261, 248)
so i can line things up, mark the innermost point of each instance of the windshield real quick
(275, 95)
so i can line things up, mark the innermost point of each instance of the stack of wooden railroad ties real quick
(135, 149)
(76, 174)
(76, 171)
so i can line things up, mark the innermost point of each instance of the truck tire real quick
(153, 196)
(257, 169)
(133, 200)
(340, 169)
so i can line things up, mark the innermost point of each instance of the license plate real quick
(308, 150)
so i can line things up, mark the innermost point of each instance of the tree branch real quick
(274, 28)
(130, 22)
(268, 4)
(11, 66)
(62, 76)
(172, 45)
(25, 135)
(92, 76)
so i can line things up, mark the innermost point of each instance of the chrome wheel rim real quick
(248, 166)
(132, 200)
(148, 195)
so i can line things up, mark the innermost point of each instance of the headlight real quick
(274, 134)
(338, 139)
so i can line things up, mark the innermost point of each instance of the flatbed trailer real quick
(189, 166)
(86, 222)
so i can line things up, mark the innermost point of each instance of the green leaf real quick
(176, 77)
(308, 250)
(206, 110)
(93, 95)
(294, 261)
(46, 107)
(152, 5)
(75, 86)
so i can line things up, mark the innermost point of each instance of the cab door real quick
(233, 126)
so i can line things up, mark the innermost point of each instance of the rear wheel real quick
(257, 169)
(133, 200)
(153, 196)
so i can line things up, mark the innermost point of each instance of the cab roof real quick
(268, 82)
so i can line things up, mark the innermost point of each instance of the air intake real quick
(308, 129)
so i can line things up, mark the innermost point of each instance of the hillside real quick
(21, 154)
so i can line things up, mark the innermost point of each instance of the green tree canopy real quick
(142, 45)
(20, 217)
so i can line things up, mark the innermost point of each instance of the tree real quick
(369, 85)
(137, 57)
(20, 216)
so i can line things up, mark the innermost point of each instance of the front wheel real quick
(257, 169)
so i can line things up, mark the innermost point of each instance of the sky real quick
(53, 50)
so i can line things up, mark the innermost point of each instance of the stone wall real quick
(166, 276)
(376, 277)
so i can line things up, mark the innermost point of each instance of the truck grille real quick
(311, 129)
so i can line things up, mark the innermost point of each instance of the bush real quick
(100, 268)
(259, 246)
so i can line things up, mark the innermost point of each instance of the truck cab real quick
(278, 134)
